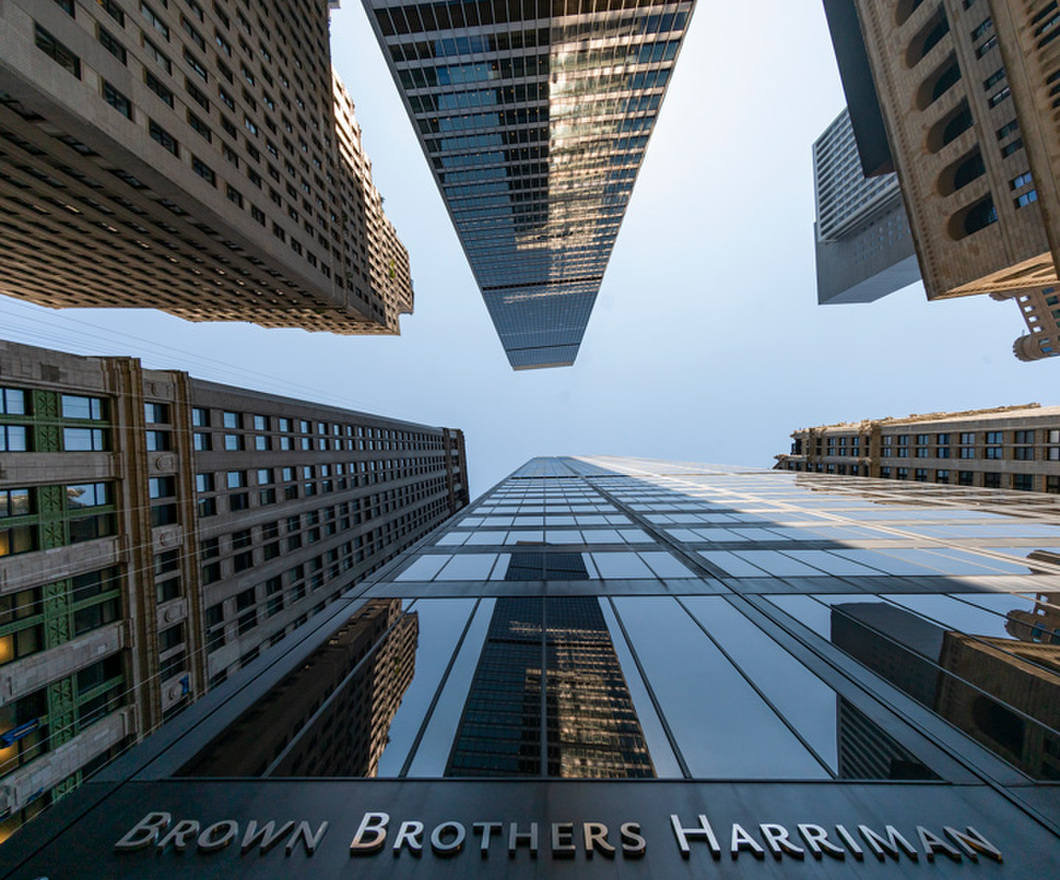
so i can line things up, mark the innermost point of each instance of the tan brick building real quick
(157, 533)
(198, 158)
(1014, 447)
(967, 95)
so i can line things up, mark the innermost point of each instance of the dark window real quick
(57, 51)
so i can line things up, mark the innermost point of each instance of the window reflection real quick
(548, 674)
(331, 716)
(999, 683)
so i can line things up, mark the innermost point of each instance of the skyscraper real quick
(200, 158)
(534, 120)
(1008, 447)
(158, 533)
(665, 669)
(956, 98)
(864, 248)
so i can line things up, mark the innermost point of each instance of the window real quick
(112, 9)
(117, 100)
(84, 408)
(155, 85)
(163, 137)
(158, 441)
(1023, 482)
(233, 442)
(236, 479)
(109, 42)
(201, 127)
(85, 440)
(201, 442)
(86, 495)
(57, 51)
(203, 170)
(153, 19)
(156, 413)
(161, 59)
(196, 65)
(12, 402)
(14, 438)
(200, 418)
(231, 420)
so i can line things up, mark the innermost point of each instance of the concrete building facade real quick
(198, 158)
(157, 533)
(864, 249)
(1012, 447)
(534, 120)
(962, 91)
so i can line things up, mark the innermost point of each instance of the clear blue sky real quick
(706, 343)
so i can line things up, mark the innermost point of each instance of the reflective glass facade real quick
(534, 117)
(603, 650)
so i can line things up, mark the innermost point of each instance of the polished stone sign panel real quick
(448, 829)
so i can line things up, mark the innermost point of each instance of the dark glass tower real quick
(534, 117)
(645, 668)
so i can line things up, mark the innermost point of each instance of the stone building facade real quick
(965, 95)
(198, 158)
(158, 532)
(1013, 447)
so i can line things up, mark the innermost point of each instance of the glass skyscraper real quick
(607, 660)
(534, 118)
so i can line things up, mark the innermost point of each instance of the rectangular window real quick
(155, 85)
(13, 402)
(203, 170)
(163, 137)
(112, 9)
(57, 51)
(109, 42)
(158, 441)
(117, 100)
(154, 20)
(14, 438)
(83, 408)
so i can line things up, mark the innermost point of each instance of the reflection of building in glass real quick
(329, 717)
(866, 751)
(585, 717)
(1026, 673)
(535, 121)
(1043, 623)
(1004, 693)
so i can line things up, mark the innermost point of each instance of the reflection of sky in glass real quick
(800, 696)
(723, 728)
(441, 623)
(433, 750)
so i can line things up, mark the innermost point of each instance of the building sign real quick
(162, 832)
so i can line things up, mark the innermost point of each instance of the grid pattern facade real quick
(845, 197)
(534, 119)
(157, 533)
(198, 158)
(777, 644)
(1008, 448)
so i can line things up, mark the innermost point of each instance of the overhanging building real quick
(626, 667)
(534, 120)
(199, 158)
(864, 250)
(956, 97)
(157, 533)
